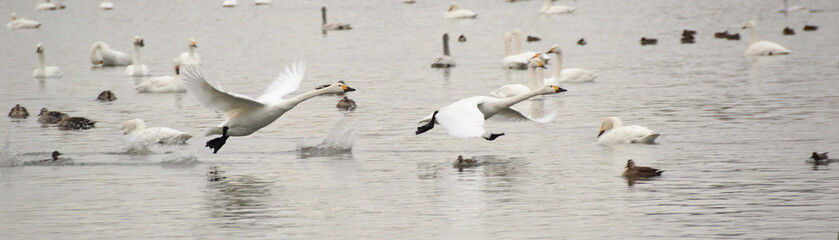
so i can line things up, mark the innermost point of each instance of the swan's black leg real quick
(493, 136)
(216, 143)
(429, 125)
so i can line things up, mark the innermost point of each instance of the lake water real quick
(736, 130)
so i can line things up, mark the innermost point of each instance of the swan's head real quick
(177, 69)
(630, 164)
(609, 123)
(132, 125)
(750, 24)
(536, 61)
(517, 32)
(454, 7)
(193, 43)
(556, 49)
(339, 87)
(139, 41)
(40, 48)
(555, 89)
(14, 16)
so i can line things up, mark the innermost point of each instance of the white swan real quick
(445, 60)
(46, 6)
(101, 53)
(612, 131)
(332, 25)
(229, 3)
(21, 23)
(525, 55)
(762, 47)
(455, 12)
(137, 68)
(510, 90)
(512, 61)
(246, 115)
(165, 84)
(161, 135)
(568, 74)
(106, 5)
(263, 2)
(558, 9)
(190, 57)
(44, 71)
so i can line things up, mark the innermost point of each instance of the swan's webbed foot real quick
(429, 125)
(216, 143)
(493, 136)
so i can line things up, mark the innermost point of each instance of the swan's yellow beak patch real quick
(344, 87)
(101, 62)
(556, 88)
(451, 8)
(552, 50)
(194, 44)
(535, 56)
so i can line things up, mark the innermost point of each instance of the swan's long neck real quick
(41, 63)
(191, 51)
(136, 59)
(506, 45)
(93, 50)
(305, 96)
(323, 14)
(510, 101)
(518, 42)
(534, 80)
(752, 35)
(547, 5)
(558, 68)
(446, 45)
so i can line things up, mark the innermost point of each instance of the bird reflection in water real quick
(237, 200)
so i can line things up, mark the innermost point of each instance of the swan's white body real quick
(263, 2)
(101, 53)
(455, 12)
(190, 57)
(42, 71)
(161, 135)
(445, 60)
(558, 9)
(21, 23)
(613, 132)
(766, 48)
(46, 6)
(106, 5)
(137, 68)
(520, 59)
(229, 3)
(329, 26)
(568, 74)
(246, 115)
(165, 84)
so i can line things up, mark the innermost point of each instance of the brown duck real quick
(633, 171)
(18, 112)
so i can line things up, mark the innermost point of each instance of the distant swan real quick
(161, 135)
(21, 23)
(510, 90)
(568, 74)
(263, 2)
(165, 84)
(229, 3)
(612, 131)
(455, 12)
(141, 70)
(762, 47)
(106, 5)
(190, 57)
(445, 60)
(44, 71)
(512, 61)
(244, 114)
(332, 25)
(48, 5)
(101, 53)
(558, 9)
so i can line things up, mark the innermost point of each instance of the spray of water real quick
(339, 140)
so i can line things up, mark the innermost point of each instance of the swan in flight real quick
(106, 5)
(229, 3)
(101, 53)
(21, 23)
(445, 60)
(568, 74)
(263, 2)
(455, 12)
(466, 117)
(332, 25)
(612, 131)
(165, 84)
(161, 135)
(245, 115)
(510, 90)
(43, 71)
(191, 57)
(558, 9)
(762, 47)
(137, 68)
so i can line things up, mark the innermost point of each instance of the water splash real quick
(339, 140)
(181, 158)
(134, 145)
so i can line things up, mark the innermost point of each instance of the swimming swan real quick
(510, 90)
(568, 74)
(46, 6)
(762, 47)
(332, 25)
(455, 12)
(445, 60)
(512, 61)
(245, 115)
(190, 57)
(44, 71)
(21, 23)
(106, 5)
(229, 3)
(165, 84)
(263, 2)
(612, 131)
(162, 135)
(101, 53)
(558, 9)
(142, 70)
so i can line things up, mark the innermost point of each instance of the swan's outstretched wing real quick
(287, 82)
(462, 118)
(512, 114)
(213, 98)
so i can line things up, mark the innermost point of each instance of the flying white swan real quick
(510, 90)
(165, 84)
(189, 58)
(137, 68)
(332, 25)
(455, 12)
(612, 131)
(568, 74)
(445, 60)
(101, 53)
(263, 2)
(44, 71)
(229, 3)
(161, 135)
(21, 23)
(762, 47)
(466, 117)
(244, 114)
(558, 9)
(106, 5)
(48, 5)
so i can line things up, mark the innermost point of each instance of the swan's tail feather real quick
(648, 139)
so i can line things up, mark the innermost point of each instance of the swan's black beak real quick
(601, 133)
(348, 89)
(559, 89)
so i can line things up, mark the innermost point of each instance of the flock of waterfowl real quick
(463, 118)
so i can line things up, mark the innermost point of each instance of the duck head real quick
(55, 155)
(630, 164)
